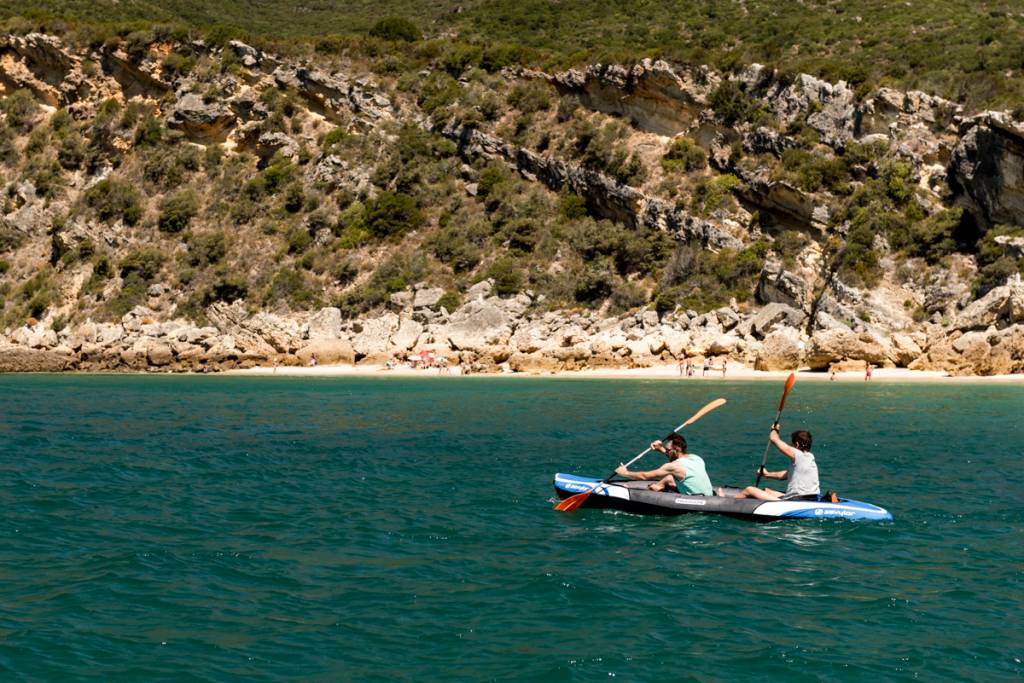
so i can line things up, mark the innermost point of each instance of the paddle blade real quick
(790, 381)
(718, 402)
(573, 502)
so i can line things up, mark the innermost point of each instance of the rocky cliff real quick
(181, 206)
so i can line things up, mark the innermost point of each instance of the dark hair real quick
(801, 440)
(677, 440)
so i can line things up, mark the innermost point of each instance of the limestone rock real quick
(1001, 307)
(782, 349)
(830, 346)
(325, 324)
(327, 352)
(372, 336)
(477, 325)
(428, 297)
(776, 314)
(159, 354)
(21, 359)
(408, 333)
(777, 285)
(904, 349)
(200, 120)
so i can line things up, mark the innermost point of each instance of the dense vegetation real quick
(965, 51)
(216, 224)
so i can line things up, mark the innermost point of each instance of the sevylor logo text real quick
(832, 512)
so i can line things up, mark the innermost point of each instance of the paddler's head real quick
(676, 445)
(801, 440)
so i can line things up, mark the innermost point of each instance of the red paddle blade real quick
(573, 502)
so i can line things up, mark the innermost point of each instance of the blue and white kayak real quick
(633, 496)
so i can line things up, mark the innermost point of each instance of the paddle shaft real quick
(642, 454)
(574, 501)
(775, 425)
(764, 458)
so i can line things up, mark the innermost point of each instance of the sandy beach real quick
(664, 372)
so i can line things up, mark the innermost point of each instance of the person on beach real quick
(724, 364)
(867, 371)
(707, 366)
(683, 365)
(684, 472)
(832, 375)
(802, 473)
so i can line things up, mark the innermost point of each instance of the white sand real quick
(734, 372)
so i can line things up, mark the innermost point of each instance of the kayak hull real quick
(633, 496)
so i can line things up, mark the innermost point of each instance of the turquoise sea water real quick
(267, 529)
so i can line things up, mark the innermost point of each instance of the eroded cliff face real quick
(987, 169)
(804, 313)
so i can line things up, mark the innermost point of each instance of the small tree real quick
(397, 29)
(684, 155)
(392, 213)
(177, 210)
(112, 199)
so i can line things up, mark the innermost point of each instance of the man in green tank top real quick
(684, 472)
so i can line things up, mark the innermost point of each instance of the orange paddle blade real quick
(573, 502)
(703, 411)
(790, 381)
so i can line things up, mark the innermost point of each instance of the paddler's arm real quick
(784, 448)
(779, 474)
(643, 476)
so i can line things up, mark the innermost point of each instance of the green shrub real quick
(112, 199)
(684, 155)
(995, 264)
(38, 292)
(933, 237)
(294, 199)
(858, 262)
(732, 104)
(594, 282)
(450, 301)
(71, 151)
(507, 275)
(21, 109)
(703, 280)
(207, 248)
(149, 132)
(572, 206)
(344, 272)
(176, 65)
(299, 240)
(4, 266)
(530, 97)
(391, 214)
(396, 29)
(711, 193)
(177, 210)
(438, 91)
(228, 289)
(144, 262)
(451, 247)
(814, 171)
(292, 287)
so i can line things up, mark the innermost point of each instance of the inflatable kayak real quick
(633, 496)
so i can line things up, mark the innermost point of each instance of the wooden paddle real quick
(790, 381)
(574, 501)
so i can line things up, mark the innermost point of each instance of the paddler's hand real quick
(621, 470)
(657, 446)
(761, 472)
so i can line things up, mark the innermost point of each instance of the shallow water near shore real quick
(278, 528)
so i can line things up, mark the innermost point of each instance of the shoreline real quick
(658, 372)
